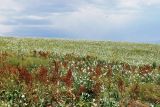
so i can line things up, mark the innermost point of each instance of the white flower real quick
(23, 96)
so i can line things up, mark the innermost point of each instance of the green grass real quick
(133, 53)
(68, 73)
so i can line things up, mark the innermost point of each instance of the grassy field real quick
(67, 73)
(132, 53)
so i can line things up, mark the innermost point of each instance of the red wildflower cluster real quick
(24, 75)
(109, 73)
(135, 90)
(42, 76)
(126, 67)
(98, 70)
(55, 73)
(145, 69)
(65, 63)
(80, 91)
(67, 79)
(97, 87)
(121, 85)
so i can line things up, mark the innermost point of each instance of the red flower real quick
(25, 75)
(97, 88)
(80, 91)
(109, 73)
(55, 73)
(42, 76)
(67, 78)
(121, 85)
(98, 70)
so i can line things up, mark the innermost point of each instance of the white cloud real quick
(8, 9)
(31, 17)
(2, 19)
(86, 18)
(5, 29)
(137, 4)
(10, 5)
(129, 3)
(152, 2)
(90, 20)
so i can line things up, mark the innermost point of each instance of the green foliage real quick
(41, 73)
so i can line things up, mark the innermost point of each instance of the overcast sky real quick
(122, 20)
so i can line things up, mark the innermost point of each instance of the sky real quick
(115, 20)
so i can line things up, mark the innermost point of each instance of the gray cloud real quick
(87, 19)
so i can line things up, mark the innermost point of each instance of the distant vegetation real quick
(66, 73)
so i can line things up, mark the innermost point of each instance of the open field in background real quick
(66, 73)
(110, 51)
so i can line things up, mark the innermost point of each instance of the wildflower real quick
(25, 75)
(42, 76)
(55, 73)
(68, 78)
(121, 85)
(98, 70)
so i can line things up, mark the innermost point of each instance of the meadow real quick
(72, 73)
